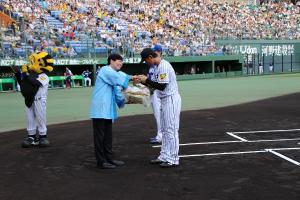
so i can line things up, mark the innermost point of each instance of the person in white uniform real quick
(261, 68)
(87, 80)
(165, 82)
(155, 101)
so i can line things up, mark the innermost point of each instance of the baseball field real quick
(238, 141)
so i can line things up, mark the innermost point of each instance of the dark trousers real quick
(68, 82)
(103, 140)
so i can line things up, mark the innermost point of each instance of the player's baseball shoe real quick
(107, 165)
(30, 142)
(168, 165)
(44, 142)
(156, 161)
(154, 141)
(117, 162)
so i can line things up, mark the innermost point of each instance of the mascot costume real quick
(34, 88)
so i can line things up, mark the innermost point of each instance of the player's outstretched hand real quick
(135, 79)
(142, 78)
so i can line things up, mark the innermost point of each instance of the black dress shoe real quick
(107, 165)
(168, 165)
(117, 162)
(156, 161)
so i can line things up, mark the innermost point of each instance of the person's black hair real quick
(147, 52)
(114, 57)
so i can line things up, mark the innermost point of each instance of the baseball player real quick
(165, 82)
(105, 99)
(155, 101)
(34, 87)
(86, 77)
(98, 70)
(68, 74)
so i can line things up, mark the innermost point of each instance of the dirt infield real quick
(67, 169)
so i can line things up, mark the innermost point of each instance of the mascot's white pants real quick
(156, 106)
(36, 117)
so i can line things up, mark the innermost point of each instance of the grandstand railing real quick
(86, 48)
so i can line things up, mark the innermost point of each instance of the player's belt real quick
(168, 95)
(39, 98)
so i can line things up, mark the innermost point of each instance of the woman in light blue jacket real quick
(106, 97)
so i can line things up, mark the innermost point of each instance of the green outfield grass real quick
(72, 105)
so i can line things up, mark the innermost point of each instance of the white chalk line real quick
(266, 131)
(285, 149)
(284, 157)
(237, 137)
(233, 141)
(243, 140)
(223, 153)
(273, 151)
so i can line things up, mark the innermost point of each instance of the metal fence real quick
(263, 64)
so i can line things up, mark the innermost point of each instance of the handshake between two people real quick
(139, 78)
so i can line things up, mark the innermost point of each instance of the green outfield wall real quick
(135, 60)
(283, 54)
(188, 65)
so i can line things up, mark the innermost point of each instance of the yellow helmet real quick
(40, 62)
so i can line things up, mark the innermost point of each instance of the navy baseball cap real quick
(157, 47)
(146, 53)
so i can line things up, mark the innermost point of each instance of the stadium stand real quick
(83, 28)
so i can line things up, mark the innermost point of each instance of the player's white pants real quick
(87, 80)
(261, 69)
(36, 117)
(18, 87)
(156, 106)
(170, 117)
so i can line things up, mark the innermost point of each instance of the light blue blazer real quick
(107, 93)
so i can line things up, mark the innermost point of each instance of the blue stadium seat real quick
(55, 13)
(6, 44)
(36, 42)
(101, 50)
(81, 49)
(219, 53)
(20, 52)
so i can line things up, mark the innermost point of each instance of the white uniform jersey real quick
(43, 90)
(164, 73)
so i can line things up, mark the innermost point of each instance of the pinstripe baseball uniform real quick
(170, 112)
(36, 114)
(155, 102)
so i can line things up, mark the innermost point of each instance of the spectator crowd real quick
(75, 28)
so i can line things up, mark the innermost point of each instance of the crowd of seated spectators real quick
(92, 28)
